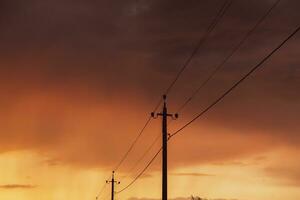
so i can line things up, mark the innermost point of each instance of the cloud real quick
(191, 174)
(288, 175)
(283, 169)
(17, 186)
(79, 92)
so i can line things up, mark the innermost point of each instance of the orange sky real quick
(76, 88)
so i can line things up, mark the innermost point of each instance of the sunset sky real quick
(79, 78)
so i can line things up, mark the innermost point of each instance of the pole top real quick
(113, 174)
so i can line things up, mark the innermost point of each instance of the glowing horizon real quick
(79, 80)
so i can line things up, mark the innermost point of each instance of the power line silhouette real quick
(223, 62)
(214, 103)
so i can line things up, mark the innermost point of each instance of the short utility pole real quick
(112, 181)
(165, 116)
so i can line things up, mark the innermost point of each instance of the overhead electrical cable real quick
(210, 28)
(214, 103)
(237, 83)
(141, 173)
(143, 156)
(235, 49)
(132, 145)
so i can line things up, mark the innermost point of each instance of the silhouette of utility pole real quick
(112, 181)
(165, 116)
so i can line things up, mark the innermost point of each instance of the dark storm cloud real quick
(59, 56)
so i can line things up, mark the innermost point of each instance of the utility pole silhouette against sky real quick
(112, 181)
(166, 136)
(165, 116)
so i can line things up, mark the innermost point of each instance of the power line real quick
(235, 49)
(211, 27)
(141, 173)
(214, 103)
(132, 145)
(143, 156)
(137, 138)
(238, 82)
(101, 191)
(215, 21)
(106, 197)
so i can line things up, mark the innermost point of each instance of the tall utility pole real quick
(112, 181)
(165, 116)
